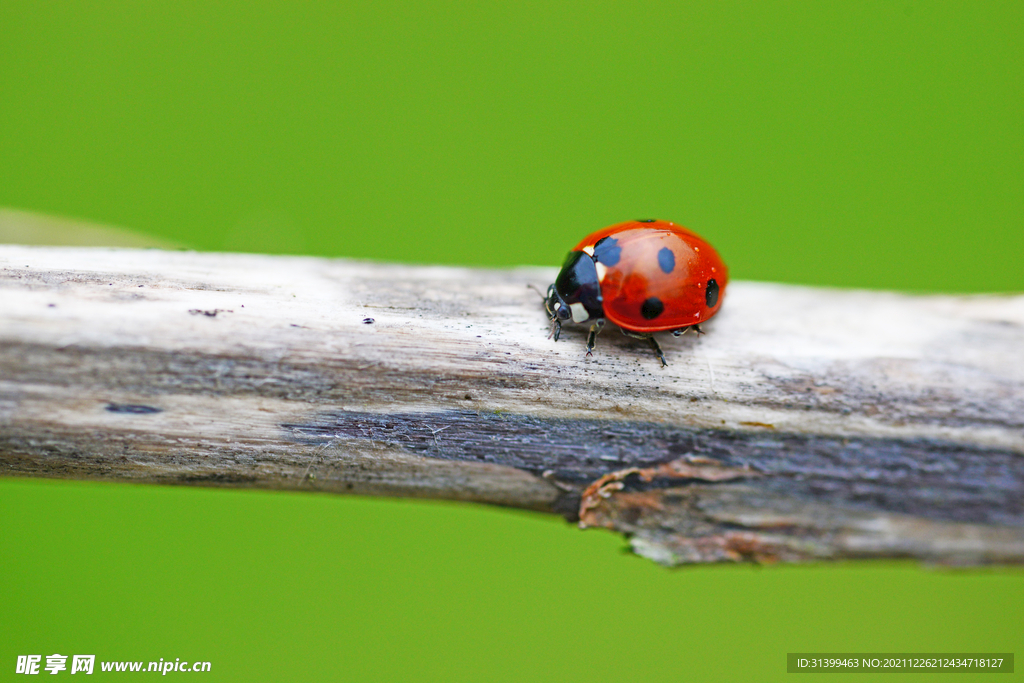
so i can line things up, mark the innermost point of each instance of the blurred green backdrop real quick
(869, 144)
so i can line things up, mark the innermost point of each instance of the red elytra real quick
(638, 275)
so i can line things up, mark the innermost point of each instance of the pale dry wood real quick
(807, 424)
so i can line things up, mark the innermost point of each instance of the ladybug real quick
(645, 276)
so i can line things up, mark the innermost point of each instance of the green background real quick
(868, 144)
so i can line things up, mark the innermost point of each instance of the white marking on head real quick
(579, 312)
(589, 251)
(602, 270)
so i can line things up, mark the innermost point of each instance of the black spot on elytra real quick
(711, 295)
(652, 308)
(666, 259)
(607, 251)
(132, 408)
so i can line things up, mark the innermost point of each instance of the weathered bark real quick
(806, 424)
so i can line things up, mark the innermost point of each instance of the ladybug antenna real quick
(534, 288)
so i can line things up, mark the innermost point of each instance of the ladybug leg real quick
(592, 337)
(683, 330)
(656, 347)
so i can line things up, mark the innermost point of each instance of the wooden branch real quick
(807, 424)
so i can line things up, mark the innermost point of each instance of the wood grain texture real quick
(807, 423)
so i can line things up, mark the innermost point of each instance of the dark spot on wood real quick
(666, 260)
(711, 295)
(368, 321)
(132, 408)
(209, 314)
(219, 478)
(568, 505)
(652, 308)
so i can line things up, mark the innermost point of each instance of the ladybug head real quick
(556, 309)
(576, 294)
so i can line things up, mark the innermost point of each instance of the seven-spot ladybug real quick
(645, 276)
